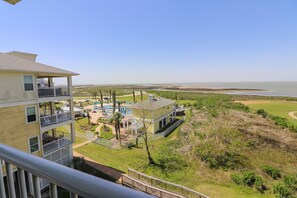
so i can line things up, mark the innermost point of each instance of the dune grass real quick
(130, 98)
(136, 158)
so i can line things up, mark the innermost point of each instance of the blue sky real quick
(157, 41)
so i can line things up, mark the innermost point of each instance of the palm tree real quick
(114, 101)
(134, 101)
(141, 96)
(109, 96)
(95, 94)
(117, 117)
(89, 118)
(101, 97)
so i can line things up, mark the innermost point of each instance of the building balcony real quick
(50, 92)
(51, 143)
(54, 119)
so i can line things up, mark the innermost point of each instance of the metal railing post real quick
(10, 181)
(53, 191)
(30, 182)
(2, 187)
(22, 183)
(36, 183)
(73, 195)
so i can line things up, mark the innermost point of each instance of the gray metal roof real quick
(16, 64)
(154, 104)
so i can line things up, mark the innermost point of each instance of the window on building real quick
(31, 114)
(28, 83)
(34, 144)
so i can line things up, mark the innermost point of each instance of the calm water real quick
(272, 88)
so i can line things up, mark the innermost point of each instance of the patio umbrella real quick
(13, 2)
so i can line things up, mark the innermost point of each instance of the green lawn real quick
(106, 134)
(79, 123)
(79, 140)
(278, 108)
(124, 158)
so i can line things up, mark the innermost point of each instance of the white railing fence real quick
(54, 119)
(52, 92)
(172, 187)
(76, 182)
(56, 144)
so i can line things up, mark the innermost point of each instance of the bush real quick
(291, 181)
(236, 178)
(282, 191)
(221, 148)
(284, 123)
(249, 178)
(272, 172)
(263, 113)
(259, 184)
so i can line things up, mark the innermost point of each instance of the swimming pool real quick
(108, 109)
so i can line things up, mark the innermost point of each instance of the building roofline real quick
(11, 63)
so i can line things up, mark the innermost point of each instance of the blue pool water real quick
(108, 109)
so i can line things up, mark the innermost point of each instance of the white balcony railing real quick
(54, 119)
(78, 183)
(52, 92)
(56, 144)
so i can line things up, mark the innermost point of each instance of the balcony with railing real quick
(52, 143)
(45, 92)
(48, 120)
(79, 184)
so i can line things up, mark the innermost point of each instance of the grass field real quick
(106, 134)
(278, 108)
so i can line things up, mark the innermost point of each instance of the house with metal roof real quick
(155, 114)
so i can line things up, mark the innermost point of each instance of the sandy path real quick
(84, 143)
(292, 114)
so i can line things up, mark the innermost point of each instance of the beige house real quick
(28, 118)
(155, 113)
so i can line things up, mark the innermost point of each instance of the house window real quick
(31, 114)
(28, 83)
(34, 144)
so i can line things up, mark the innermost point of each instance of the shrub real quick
(259, 184)
(217, 158)
(249, 178)
(291, 181)
(282, 191)
(263, 113)
(272, 172)
(221, 148)
(284, 123)
(236, 178)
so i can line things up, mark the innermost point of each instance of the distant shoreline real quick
(209, 89)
